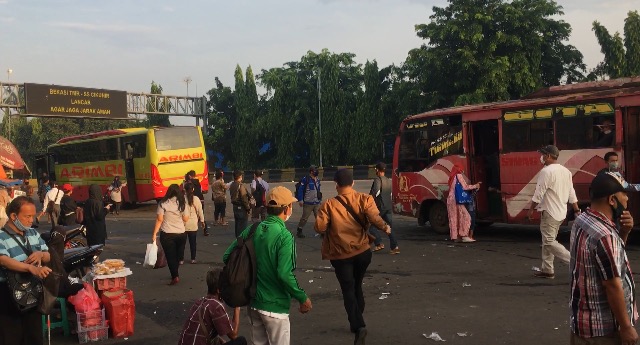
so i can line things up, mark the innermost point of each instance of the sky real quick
(126, 44)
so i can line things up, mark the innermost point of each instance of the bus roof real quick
(549, 95)
(108, 133)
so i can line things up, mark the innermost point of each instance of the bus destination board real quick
(69, 101)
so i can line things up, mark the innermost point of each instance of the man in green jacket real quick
(276, 283)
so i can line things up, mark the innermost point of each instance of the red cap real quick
(67, 187)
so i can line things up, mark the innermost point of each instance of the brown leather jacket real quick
(343, 237)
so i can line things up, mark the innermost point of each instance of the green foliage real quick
(621, 57)
(632, 43)
(159, 103)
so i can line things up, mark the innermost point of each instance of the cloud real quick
(7, 20)
(106, 28)
(4, 2)
(164, 8)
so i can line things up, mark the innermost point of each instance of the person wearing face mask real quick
(554, 190)
(613, 166)
(308, 192)
(603, 308)
(607, 136)
(20, 328)
(275, 252)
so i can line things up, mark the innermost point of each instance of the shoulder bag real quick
(26, 289)
(352, 212)
(462, 196)
(52, 203)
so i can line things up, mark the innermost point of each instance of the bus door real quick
(631, 147)
(129, 153)
(485, 167)
(45, 164)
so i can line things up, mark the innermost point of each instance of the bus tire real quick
(438, 218)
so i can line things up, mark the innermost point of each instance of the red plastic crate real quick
(112, 283)
(91, 319)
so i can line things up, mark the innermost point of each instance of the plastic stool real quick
(63, 322)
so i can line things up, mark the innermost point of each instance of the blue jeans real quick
(387, 216)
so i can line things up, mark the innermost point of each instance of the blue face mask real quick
(21, 226)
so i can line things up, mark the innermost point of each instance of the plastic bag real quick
(162, 260)
(85, 300)
(121, 312)
(151, 256)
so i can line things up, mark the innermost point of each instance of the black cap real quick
(550, 150)
(605, 184)
(381, 166)
(313, 168)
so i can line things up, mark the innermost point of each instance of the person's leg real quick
(11, 329)
(240, 340)
(387, 216)
(550, 247)
(279, 330)
(32, 326)
(192, 236)
(344, 271)
(241, 218)
(170, 252)
(263, 212)
(472, 215)
(360, 264)
(259, 334)
(306, 212)
(377, 241)
(181, 244)
(117, 204)
(223, 213)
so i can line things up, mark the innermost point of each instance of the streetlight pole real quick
(320, 116)
(8, 115)
(187, 80)
(9, 71)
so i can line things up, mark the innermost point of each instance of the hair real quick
(381, 167)
(188, 190)
(609, 155)
(213, 281)
(258, 173)
(343, 177)
(237, 174)
(174, 192)
(16, 204)
(219, 174)
(192, 173)
(274, 210)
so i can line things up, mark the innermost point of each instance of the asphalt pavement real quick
(479, 293)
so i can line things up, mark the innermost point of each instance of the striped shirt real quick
(597, 254)
(9, 247)
(214, 319)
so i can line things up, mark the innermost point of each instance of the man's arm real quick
(373, 215)
(322, 219)
(286, 265)
(244, 197)
(615, 297)
(375, 187)
(538, 194)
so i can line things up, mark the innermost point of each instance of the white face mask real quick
(542, 159)
(288, 216)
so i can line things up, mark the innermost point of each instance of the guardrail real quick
(360, 172)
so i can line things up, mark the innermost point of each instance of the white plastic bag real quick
(151, 256)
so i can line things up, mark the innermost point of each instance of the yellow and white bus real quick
(149, 160)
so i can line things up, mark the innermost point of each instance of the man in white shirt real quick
(259, 190)
(554, 190)
(51, 204)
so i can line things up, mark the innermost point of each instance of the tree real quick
(367, 122)
(621, 58)
(244, 147)
(161, 105)
(491, 50)
(221, 114)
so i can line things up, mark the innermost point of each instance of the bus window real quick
(574, 133)
(604, 131)
(526, 135)
(435, 139)
(176, 138)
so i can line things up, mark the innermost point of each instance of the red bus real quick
(497, 144)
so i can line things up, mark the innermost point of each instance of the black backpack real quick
(238, 279)
(260, 194)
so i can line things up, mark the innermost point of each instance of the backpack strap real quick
(352, 212)
(28, 251)
(252, 231)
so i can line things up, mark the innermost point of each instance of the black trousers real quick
(350, 273)
(17, 328)
(241, 217)
(192, 236)
(240, 340)
(173, 246)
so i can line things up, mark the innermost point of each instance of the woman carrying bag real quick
(170, 219)
(459, 218)
(18, 238)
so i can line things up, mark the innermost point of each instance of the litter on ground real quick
(434, 336)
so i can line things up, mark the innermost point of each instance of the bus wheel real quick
(438, 218)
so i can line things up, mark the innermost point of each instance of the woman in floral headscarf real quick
(459, 218)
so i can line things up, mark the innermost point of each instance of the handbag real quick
(462, 196)
(26, 289)
(52, 203)
(161, 260)
(79, 215)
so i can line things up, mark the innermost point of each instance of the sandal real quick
(378, 248)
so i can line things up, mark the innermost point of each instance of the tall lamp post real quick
(320, 116)
(8, 114)
(9, 71)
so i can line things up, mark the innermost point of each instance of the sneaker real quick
(395, 251)
(467, 240)
(544, 275)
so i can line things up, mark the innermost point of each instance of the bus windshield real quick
(426, 141)
(177, 138)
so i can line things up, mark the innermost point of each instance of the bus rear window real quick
(177, 138)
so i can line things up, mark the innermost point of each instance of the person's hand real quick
(153, 238)
(628, 335)
(626, 222)
(43, 272)
(35, 259)
(306, 306)
(300, 203)
(108, 206)
(203, 225)
(387, 229)
(529, 214)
